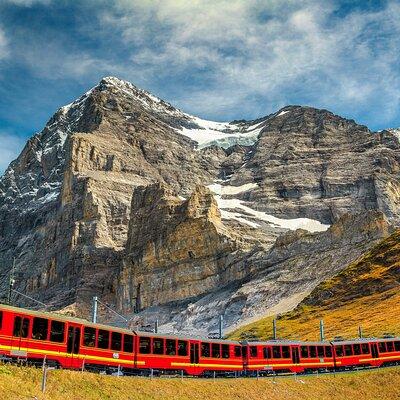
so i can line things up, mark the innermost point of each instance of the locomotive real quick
(66, 342)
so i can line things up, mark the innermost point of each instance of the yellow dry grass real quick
(24, 383)
(377, 314)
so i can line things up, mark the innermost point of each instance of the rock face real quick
(176, 249)
(65, 202)
(277, 279)
(93, 206)
(315, 164)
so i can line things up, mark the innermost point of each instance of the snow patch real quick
(282, 113)
(238, 210)
(395, 131)
(227, 189)
(223, 134)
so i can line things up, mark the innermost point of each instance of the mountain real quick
(123, 196)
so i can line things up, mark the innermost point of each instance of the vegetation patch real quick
(24, 383)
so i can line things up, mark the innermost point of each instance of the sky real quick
(217, 59)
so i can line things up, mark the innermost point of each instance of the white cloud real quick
(10, 147)
(3, 45)
(257, 48)
(231, 58)
(27, 3)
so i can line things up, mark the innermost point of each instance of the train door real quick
(245, 356)
(20, 334)
(295, 355)
(374, 350)
(194, 353)
(73, 344)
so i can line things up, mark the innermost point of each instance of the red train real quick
(75, 343)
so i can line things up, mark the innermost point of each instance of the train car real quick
(287, 356)
(220, 355)
(192, 355)
(64, 341)
(366, 352)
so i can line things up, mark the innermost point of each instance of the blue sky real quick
(218, 59)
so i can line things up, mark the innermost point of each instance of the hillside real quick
(24, 383)
(365, 293)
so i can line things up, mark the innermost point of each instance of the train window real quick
(89, 336)
(365, 348)
(103, 339)
(253, 351)
(389, 346)
(144, 345)
(320, 351)
(357, 349)
(128, 343)
(205, 349)
(267, 352)
(348, 350)
(182, 348)
(57, 331)
(225, 351)
(238, 351)
(116, 341)
(21, 327)
(304, 351)
(285, 352)
(215, 350)
(276, 352)
(1, 319)
(158, 346)
(25, 328)
(313, 351)
(17, 326)
(170, 347)
(328, 351)
(382, 347)
(397, 346)
(339, 351)
(40, 328)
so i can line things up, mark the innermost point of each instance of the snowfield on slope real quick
(223, 134)
(238, 210)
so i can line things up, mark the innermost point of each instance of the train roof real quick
(66, 318)
(364, 340)
(203, 339)
(282, 342)
(62, 317)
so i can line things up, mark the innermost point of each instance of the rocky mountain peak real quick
(124, 196)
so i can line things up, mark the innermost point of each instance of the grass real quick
(24, 383)
(365, 293)
(377, 314)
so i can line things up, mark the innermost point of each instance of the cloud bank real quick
(268, 51)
